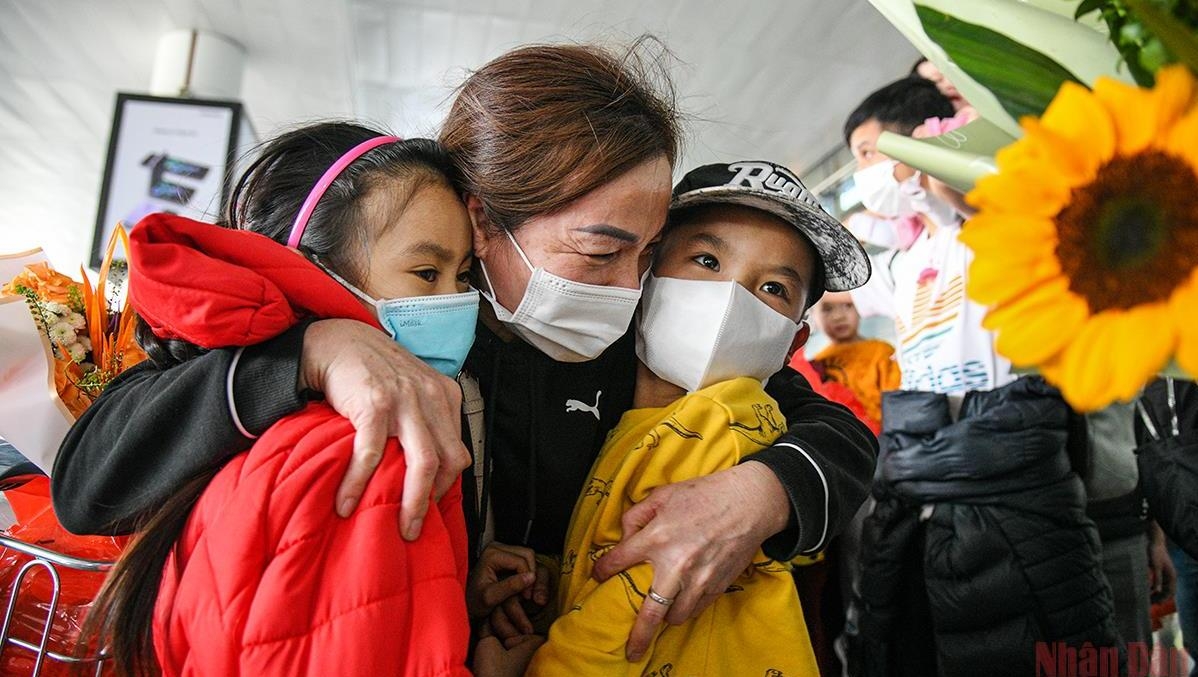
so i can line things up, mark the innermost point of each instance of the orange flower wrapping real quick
(109, 331)
(66, 375)
(48, 284)
(114, 351)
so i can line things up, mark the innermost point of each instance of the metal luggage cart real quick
(48, 560)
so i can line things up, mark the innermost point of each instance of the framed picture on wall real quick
(167, 155)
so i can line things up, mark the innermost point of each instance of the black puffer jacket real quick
(1167, 429)
(979, 546)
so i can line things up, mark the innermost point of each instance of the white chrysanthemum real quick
(61, 332)
(86, 343)
(76, 320)
(77, 351)
(56, 308)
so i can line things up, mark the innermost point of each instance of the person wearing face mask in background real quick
(889, 228)
(979, 545)
(738, 266)
(920, 288)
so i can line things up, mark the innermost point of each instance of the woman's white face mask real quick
(595, 247)
(568, 321)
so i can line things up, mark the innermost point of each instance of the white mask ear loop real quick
(374, 303)
(518, 251)
(486, 277)
(490, 292)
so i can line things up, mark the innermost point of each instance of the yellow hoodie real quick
(756, 628)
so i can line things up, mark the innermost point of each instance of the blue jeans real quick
(1187, 601)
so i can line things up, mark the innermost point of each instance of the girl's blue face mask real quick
(437, 329)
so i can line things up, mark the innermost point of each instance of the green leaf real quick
(1088, 6)
(1179, 39)
(1153, 55)
(1132, 33)
(1023, 80)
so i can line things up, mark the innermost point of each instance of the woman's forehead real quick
(631, 207)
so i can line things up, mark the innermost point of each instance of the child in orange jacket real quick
(866, 366)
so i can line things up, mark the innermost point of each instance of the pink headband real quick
(326, 180)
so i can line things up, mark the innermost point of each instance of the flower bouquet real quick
(71, 336)
(1084, 171)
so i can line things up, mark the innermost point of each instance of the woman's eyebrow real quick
(608, 230)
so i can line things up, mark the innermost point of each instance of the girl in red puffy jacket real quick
(248, 570)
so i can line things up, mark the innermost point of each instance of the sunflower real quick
(1086, 240)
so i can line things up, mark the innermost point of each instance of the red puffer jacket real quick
(266, 579)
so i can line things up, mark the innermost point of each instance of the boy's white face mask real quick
(883, 194)
(696, 333)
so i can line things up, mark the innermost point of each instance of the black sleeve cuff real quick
(266, 380)
(825, 461)
(808, 494)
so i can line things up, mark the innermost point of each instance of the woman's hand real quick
(386, 392)
(699, 535)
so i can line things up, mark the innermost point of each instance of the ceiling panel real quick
(773, 78)
(62, 62)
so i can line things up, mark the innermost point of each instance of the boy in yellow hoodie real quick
(746, 252)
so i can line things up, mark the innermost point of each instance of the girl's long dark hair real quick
(265, 200)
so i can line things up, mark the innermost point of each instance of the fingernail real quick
(413, 531)
(346, 507)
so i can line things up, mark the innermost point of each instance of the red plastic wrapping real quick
(77, 589)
